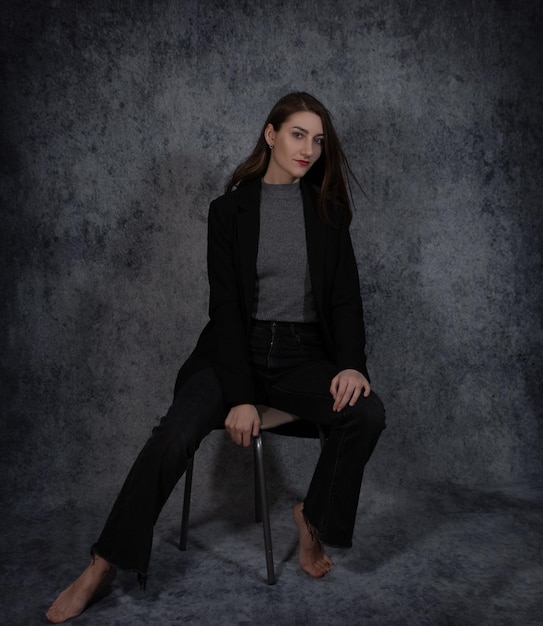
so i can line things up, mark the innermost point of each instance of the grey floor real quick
(437, 554)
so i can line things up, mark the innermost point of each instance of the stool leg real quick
(258, 491)
(186, 505)
(265, 512)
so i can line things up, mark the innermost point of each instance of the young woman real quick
(286, 329)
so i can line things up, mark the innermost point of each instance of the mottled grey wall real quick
(121, 121)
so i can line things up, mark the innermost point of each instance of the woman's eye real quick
(297, 135)
(318, 141)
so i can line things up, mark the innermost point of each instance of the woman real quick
(286, 329)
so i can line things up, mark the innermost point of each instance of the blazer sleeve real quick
(230, 360)
(346, 310)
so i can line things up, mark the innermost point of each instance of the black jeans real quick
(291, 373)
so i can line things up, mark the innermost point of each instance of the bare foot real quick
(75, 598)
(313, 559)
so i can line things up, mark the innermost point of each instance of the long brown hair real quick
(329, 174)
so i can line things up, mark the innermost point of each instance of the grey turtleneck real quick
(283, 286)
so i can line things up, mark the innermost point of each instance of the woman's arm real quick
(348, 327)
(231, 360)
(347, 315)
(225, 310)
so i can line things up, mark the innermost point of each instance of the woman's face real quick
(296, 147)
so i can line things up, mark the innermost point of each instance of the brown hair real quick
(329, 174)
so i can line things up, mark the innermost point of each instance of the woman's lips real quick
(302, 163)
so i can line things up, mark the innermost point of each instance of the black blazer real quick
(233, 233)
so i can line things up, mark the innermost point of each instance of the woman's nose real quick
(308, 148)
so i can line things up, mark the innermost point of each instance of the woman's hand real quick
(242, 423)
(347, 386)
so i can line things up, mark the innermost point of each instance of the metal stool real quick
(270, 419)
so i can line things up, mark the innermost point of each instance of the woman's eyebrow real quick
(306, 131)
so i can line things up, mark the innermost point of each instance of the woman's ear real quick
(269, 134)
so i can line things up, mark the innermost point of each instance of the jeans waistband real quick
(286, 327)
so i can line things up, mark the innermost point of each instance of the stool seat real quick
(272, 418)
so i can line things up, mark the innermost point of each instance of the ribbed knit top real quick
(283, 286)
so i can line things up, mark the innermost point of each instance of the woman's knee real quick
(196, 410)
(184, 430)
(371, 412)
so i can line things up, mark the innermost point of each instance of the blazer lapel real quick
(248, 231)
(315, 236)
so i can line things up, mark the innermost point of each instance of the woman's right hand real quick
(242, 423)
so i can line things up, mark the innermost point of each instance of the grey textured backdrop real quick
(122, 120)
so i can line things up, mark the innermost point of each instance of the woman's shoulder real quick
(334, 215)
(226, 198)
(339, 212)
(242, 194)
(338, 216)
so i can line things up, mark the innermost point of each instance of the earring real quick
(271, 146)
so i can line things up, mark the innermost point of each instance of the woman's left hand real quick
(347, 386)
